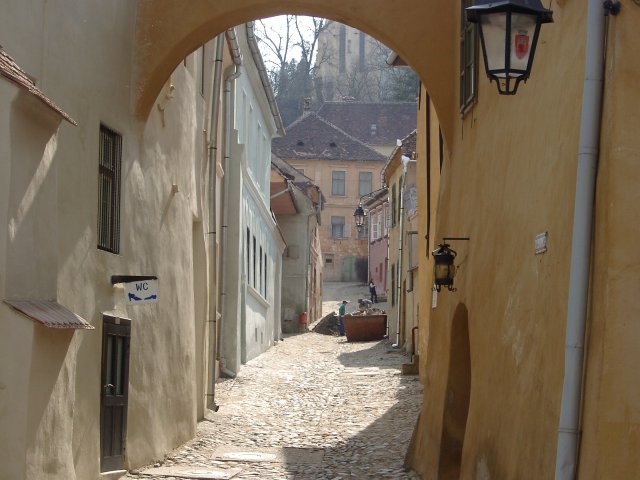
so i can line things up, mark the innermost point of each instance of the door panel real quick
(116, 336)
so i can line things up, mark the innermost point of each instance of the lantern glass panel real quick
(443, 271)
(521, 34)
(523, 27)
(494, 26)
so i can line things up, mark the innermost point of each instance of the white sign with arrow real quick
(143, 291)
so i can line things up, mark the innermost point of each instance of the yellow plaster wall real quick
(509, 175)
(611, 436)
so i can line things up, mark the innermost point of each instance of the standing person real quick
(372, 291)
(341, 313)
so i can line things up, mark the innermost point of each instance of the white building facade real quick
(252, 258)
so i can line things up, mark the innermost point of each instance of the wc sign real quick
(143, 291)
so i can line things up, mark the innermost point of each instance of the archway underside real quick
(422, 32)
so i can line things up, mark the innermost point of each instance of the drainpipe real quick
(405, 163)
(569, 425)
(211, 234)
(231, 74)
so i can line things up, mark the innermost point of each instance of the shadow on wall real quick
(353, 269)
(456, 407)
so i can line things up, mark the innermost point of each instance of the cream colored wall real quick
(80, 64)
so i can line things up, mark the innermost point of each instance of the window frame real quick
(334, 184)
(334, 224)
(370, 181)
(468, 68)
(108, 228)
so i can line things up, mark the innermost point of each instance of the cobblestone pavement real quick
(343, 405)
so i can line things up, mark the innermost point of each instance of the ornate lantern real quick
(360, 216)
(509, 32)
(444, 270)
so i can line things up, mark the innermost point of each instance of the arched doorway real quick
(456, 406)
(166, 31)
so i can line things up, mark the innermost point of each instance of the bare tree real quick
(308, 36)
(292, 79)
(278, 42)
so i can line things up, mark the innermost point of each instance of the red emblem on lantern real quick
(522, 45)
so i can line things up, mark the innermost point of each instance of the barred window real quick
(468, 58)
(109, 190)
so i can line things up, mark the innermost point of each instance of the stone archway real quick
(167, 30)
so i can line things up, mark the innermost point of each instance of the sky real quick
(275, 26)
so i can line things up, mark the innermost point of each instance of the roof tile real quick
(10, 70)
(313, 138)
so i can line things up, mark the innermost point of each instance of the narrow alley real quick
(313, 407)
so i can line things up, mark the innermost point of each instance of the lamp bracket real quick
(446, 239)
(611, 7)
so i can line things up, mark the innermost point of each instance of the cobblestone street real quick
(313, 407)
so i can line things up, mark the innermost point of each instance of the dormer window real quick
(300, 143)
(374, 129)
(333, 144)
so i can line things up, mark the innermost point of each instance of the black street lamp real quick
(509, 32)
(360, 216)
(443, 268)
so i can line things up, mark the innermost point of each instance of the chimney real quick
(306, 110)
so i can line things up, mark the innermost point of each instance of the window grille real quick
(109, 190)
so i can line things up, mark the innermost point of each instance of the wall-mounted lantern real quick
(360, 214)
(443, 268)
(509, 32)
(360, 217)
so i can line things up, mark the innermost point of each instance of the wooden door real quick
(116, 336)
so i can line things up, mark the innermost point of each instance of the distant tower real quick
(349, 64)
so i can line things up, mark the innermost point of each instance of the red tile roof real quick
(10, 70)
(313, 138)
(372, 123)
(409, 144)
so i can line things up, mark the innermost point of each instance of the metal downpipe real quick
(212, 314)
(227, 112)
(588, 150)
